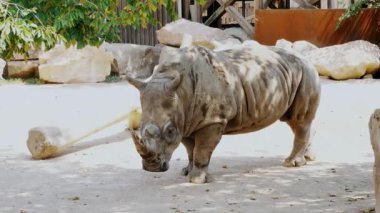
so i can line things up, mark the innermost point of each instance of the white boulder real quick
(346, 61)
(71, 65)
(303, 47)
(284, 44)
(22, 69)
(2, 67)
(172, 33)
(134, 60)
(238, 32)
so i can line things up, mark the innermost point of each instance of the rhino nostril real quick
(164, 166)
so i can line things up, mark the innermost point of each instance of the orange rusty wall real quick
(316, 26)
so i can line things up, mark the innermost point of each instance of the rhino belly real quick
(246, 122)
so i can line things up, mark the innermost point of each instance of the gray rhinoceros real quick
(194, 96)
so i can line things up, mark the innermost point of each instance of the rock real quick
(135, 60)
(2, 68)
(368, 76)
(284, 44)
(32, 55)
(172, 33)
(167, 52)
(226, 44)
(238, 33)
(22, 69)
(303, 47)
(70, 65)
(346, 61)
(187, 41)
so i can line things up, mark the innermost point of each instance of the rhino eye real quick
(170, 133)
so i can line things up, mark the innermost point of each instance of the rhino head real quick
(162, 117)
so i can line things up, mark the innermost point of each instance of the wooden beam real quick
(221, 2)
(247, 27)
(220, 11)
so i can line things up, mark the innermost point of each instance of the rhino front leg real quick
(189, 144)
(206, 139)
(301, 145)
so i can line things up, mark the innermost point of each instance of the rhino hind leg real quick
(301, 146)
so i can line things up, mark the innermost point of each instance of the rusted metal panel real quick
(316, 26)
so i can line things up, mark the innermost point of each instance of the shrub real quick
(26, 24)
(354, 9)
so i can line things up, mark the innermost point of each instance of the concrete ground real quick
(103, 173)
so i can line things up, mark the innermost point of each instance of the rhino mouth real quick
(155, 166)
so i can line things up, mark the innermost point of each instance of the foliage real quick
(30, 81)
(113, 79)
(18, 33)
(79, 22)
(141, 12)
(11, 81)
(26, 24)
(354, 9)
(34, 81)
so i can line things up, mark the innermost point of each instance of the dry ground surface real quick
(103, 173)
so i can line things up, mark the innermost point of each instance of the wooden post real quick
(247, 27)
(324, 4)
(199, 12)
(374, 128)
(186, 8)
(334, 4)
(258, 4)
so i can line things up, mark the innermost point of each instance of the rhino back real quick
(264, 83)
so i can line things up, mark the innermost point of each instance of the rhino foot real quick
(186, 170)
(294, 162)
(309, 156)
(197, 176)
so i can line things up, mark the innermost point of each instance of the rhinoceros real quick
(195, 95)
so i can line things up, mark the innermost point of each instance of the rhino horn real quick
(136, 83)
(140, 146)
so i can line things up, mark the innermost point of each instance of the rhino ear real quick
(173, 84)
(136, 83)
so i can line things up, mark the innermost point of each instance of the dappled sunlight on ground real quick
(103, 173)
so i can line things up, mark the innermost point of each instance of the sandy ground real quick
(103, 173)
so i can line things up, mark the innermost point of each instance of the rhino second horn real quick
(152, 131)
(136, 82)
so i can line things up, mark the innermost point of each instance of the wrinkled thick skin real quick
(228, 92)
